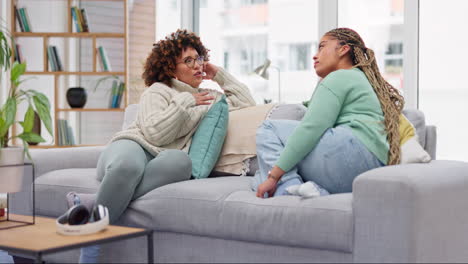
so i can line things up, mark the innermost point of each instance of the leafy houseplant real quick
(11, 177)
(37, 102)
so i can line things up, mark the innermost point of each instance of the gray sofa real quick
(404, 213)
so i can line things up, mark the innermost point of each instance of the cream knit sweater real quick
(167, 117)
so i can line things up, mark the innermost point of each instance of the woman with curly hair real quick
(152, 152)
(351, 125)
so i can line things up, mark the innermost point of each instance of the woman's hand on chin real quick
(210, 71)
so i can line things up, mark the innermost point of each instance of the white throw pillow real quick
(413, 152)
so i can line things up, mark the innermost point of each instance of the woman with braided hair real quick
(351, 125)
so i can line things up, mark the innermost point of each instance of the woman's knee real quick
(275, 130)
(117, 162)
(263, 132)
(172, 162)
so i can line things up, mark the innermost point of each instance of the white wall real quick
(443, 89)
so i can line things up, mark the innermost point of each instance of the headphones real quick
(76, 221)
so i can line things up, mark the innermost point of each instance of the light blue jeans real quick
(333, 163)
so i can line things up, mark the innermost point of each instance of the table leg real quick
(38, 258)
(150, 248)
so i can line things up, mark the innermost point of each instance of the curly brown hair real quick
(161, 63)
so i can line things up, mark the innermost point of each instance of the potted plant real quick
(37, 103)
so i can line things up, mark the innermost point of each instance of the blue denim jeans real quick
(333, 163)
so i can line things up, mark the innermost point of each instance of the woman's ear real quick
(344, 50)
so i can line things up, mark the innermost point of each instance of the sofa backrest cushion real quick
(130, 115)
(417, 119)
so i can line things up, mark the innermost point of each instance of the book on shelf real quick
(84, 17)
(50, 56)
(19, 20)
(80, 19)
(17, 53)
(65, 133)
(115, 99)
(103, 59)
(75, 19)
(23, 19)
(57, 58)
(54, 60)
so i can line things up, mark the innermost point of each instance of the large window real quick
(380, 24)
(443, 90)
(168, 17)
(242, 34)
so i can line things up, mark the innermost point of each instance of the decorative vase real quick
(11, 177)
(36, 128)
(76, 97)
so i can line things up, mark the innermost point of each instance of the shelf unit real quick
(56, 74)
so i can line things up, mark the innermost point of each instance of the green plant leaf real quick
(10, 111)
(43, 110)
(5, 51)
(28, 122)
(3, 129)
(41, 97)
(16, 71)
(26, 150)
(31, 137)
(23, 80)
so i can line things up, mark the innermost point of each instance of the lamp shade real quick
(262, 70)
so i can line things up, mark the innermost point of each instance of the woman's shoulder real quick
(345, 73)
(158, 88)
(344, 77)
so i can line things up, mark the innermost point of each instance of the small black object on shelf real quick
(76, 97)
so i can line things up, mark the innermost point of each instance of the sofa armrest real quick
(46, 160)
(412, 213)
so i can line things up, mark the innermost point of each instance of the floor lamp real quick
(262, 71)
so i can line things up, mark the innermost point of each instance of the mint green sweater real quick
(344, 97)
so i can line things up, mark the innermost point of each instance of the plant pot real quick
(11, 177)
(76, 97)
(36, 127)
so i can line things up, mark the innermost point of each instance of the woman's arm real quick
(163, 118)
(237, 94)
(321, 114)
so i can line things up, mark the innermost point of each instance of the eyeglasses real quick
(190, 62)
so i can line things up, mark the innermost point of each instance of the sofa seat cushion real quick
(225, 207)
(52, 187)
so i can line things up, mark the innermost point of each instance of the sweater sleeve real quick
(161, 120)
(321, 114)
(237, 94)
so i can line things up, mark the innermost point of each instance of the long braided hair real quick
(390, 99)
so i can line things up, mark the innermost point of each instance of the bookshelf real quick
(58, 91)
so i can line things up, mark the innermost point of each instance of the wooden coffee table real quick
(33, 241)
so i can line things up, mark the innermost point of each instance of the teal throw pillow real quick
(208, 140)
